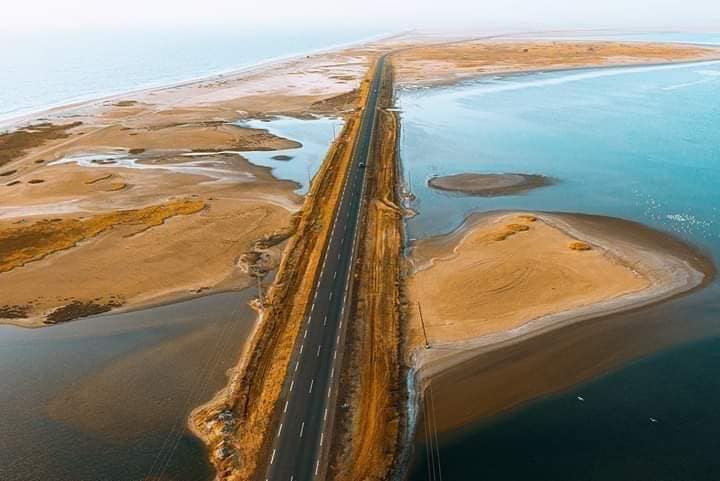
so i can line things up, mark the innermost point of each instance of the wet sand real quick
(663, 267)
(489, 185)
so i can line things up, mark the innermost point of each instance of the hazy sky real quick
(385, 14)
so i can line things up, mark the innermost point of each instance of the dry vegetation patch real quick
(16, 143)
(21, 244)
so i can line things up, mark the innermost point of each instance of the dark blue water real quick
(657, 419)
(637, 143)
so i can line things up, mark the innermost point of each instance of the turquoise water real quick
(44, 69)
(637, 143)
(316, 135)
(300, 165)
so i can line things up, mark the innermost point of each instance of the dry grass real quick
(508, 230)
(116, 186)
(579, 246)
(14, 144)
(22, 244)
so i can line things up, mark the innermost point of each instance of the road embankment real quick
(370, 427)
(236, 424)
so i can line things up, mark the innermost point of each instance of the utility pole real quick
(307, 168)
(422, 323)
(260, 292)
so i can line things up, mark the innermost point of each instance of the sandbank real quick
(505, 277)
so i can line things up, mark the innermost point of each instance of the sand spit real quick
(488, 185)
(452, 62)
(539, 272)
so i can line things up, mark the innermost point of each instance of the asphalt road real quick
(301, 435)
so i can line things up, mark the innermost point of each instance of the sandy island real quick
(489, 185)
(503, 277)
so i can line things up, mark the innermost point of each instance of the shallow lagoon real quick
(316, 135)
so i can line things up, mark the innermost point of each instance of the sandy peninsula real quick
(488, 185)
(443, 63)
(504, 277)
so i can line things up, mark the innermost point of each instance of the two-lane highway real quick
(301, 435)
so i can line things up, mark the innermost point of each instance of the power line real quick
(435, 430)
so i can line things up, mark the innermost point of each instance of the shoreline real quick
(15, 121)
(160, 301)
(697, 271)
(472, 79)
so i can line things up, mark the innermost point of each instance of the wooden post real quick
(260, 293)
(422, 323)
